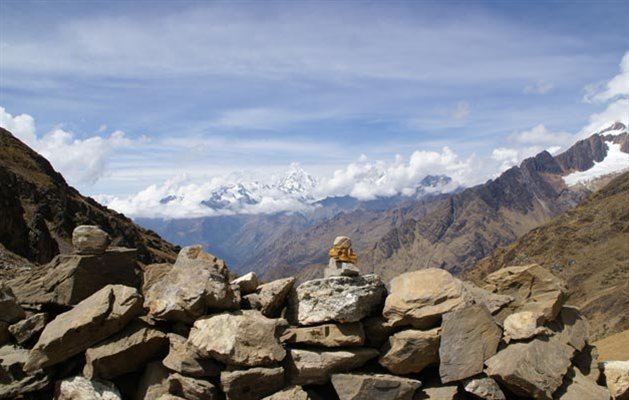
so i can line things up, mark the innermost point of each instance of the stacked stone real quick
(188, 332)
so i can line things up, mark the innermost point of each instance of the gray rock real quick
(411, 351)
(243, 338)
(374, 387)
(10, 310)
(339, 268)
(420, 298)
(339, 299)
(183, 358)
(28, 328)
(14, 382)
(90, 239)
(80, 388)
(314, 367)
(484, 388)
(197, 282)
(252, 384)
(272, 296)
(469, 336)
(534, 369)
(99, 316)
(327, 335)
(125, 352)
(247, 283)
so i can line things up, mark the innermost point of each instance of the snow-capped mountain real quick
(298, 182)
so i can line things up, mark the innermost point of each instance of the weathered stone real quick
(420, 298)
(10, 310)
(272, 296)
(374, 387)
(571, 328)
(578, 387)
(184, 358)
(92, 320)
(80, 388)
(252, 384)
(247, 283)
(70, 278)
(377, 331)
(327, 335)
(125, 352)
(154, 273)
(340, 299)
(314, 367)
(533, 287)
(493, 301)
(469, 336)
(291, 393)
(437, 393)
(244, 338)
(534, 369)
(28, 328)
(191, 388)
(197, 282)
(616, 375)
(523, 325)
(154, 382)
(484, 388)
(90, 239)
(411, 351)
(14, 382)
(339, 268)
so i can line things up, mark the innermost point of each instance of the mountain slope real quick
(39, 210)
(588, 247)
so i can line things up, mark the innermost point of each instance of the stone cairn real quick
(92, 325)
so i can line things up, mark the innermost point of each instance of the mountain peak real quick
(614, 129)
(297, 181)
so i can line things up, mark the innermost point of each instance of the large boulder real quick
(252, 384)
(90, 239)
(125, 352)
(270, 298)
(533, 287)
(314, 367)
(339, 299)
(14, 382)
(420, 298)
(28, 328)
(469, 336)
(10, 310)
(532, 370)
(184, 358)
(411, 351)
(243, 338)
(616, 375)
(70, 278)
(326, 335)
(80, 388)
(374, 387)
(96, 318)
(197, 282)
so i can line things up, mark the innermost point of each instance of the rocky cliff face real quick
(39, 210)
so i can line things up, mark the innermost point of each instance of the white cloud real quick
(462, 111)
(541, 136)
(80, 161)
(616, 87)
(538, 87)
(618, 110)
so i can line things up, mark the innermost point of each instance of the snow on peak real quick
(297, 182)
(614, 129)
(615, 161)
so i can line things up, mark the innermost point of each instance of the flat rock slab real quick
(252, 384)
(79, 388)
(125, 352)
(96, 318)
(411, 351)
(327, 335)
(532, 370)
(337, 299)
(314, 367)
(374, 387)
(242, 338)
(420, 298)
(70, 278)
(469, 336)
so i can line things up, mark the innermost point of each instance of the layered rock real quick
(326, 335)
(251, 384)
(374, 387)
(336, 299)
(314, 367)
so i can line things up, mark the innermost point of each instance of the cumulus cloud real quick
(538, 87)
(616, 87)
(80, 161)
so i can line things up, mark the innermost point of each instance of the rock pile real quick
(189, 332)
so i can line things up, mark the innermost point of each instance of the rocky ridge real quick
(188, 330)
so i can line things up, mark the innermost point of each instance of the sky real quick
(123, 96)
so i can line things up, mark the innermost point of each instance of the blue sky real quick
(129, 94)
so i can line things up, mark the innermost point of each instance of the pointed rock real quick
(252, 384)
(374, 387)
(99, 316)
(411, 351)
(327, 335)
(420, 298)
(314, 367)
